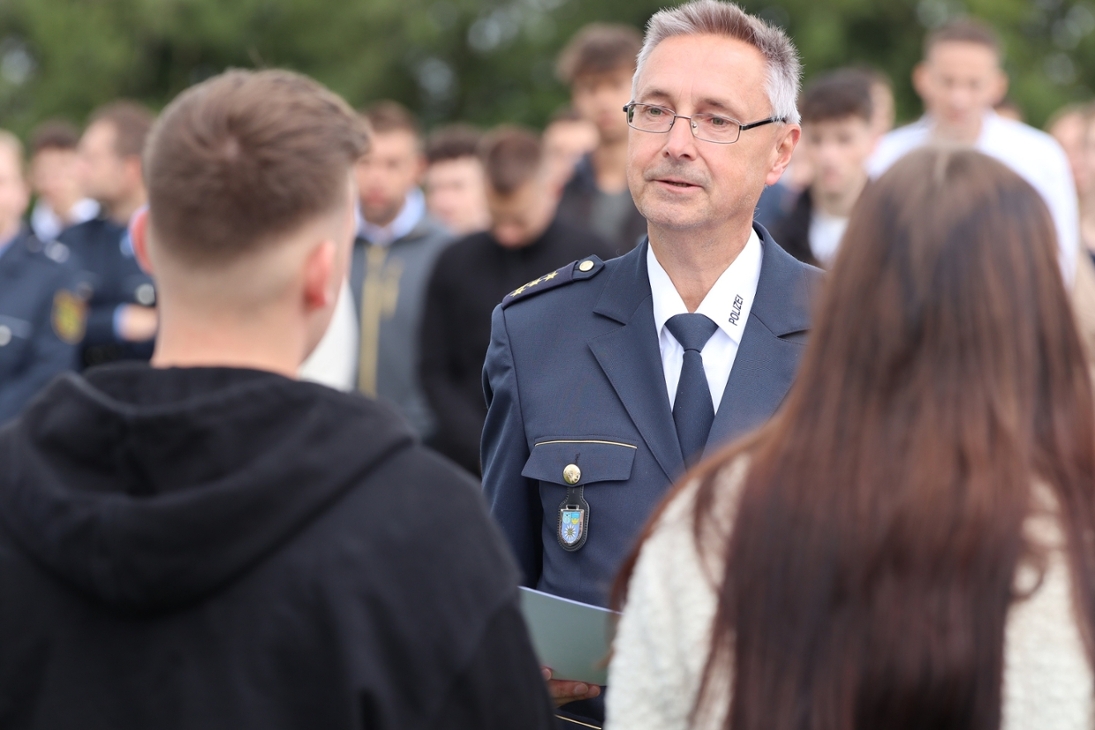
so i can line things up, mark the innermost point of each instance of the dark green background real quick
(484, 61)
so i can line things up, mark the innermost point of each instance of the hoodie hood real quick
(150, 488)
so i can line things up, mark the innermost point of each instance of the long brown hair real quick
(871, 565)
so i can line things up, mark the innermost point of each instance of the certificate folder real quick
(571, 638)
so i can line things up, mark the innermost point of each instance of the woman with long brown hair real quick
(910, 543)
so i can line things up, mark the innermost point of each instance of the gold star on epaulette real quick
(521, 289)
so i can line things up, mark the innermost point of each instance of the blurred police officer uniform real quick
(41, 307)
(105, 258)
(121, 319)
(42, 315)
(605, 381)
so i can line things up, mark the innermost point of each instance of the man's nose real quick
(679, 141)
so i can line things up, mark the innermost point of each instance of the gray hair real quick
(713, 17)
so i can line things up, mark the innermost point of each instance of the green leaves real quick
(484, 61)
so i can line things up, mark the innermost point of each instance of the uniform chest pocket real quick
(580, 462)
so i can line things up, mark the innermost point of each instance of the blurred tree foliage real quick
(484, 61)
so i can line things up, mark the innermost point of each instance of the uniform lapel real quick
(766, 363)
(631, 359)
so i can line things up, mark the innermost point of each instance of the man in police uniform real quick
(605, 381)
(41, 311)
(122, 318)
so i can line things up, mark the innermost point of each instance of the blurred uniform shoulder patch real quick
(69, 316)
(576, 271)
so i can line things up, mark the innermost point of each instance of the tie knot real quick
(691, 330)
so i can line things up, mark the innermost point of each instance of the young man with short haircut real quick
(454, 184)
(959, 80)
(598, 65)
(397, 244)
(207, 542)
(122, 318)
(838, 136)
(525, 240)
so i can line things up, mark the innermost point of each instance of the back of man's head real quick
(246, 159)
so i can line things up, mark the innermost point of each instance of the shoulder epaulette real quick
(576, 271)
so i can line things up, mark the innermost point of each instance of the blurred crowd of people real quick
(415, 324)
(936, 232)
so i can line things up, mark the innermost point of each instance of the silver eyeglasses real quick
(705, 127)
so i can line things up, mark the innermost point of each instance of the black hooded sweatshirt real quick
(224, 548)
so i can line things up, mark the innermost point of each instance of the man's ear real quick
(138, 236)
(785, 148)
(319, 271)
(1001, 83)
(920, 80)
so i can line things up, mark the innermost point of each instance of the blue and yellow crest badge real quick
(572, 527)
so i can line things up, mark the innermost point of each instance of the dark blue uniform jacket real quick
(38, 282)
(574, 376)
(101, 248)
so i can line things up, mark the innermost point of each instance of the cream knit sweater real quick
(662, 642)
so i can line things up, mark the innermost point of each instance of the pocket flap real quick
(597, 461)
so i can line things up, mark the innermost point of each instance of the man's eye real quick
(718, 122)
(653, 111)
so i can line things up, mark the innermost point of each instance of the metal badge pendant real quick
(573, 520)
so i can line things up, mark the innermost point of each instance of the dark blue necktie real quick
(693, 410)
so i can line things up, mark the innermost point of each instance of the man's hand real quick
(563, 691)
(137, 323)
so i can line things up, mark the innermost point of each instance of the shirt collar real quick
(410, 215)
(721, 304)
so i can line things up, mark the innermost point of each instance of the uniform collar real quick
(730, 299)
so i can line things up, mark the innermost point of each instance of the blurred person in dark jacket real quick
(598, 65)
(472, 276)
(122, 317)
(55, 179)
(838, 136)
(42, 308)
(206, 542)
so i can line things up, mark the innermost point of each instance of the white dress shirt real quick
(825, 234)
(334, 361)
(1034, 155)
(727, 304)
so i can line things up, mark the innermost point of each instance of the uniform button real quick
(5, 334)
(586, 265)
(571, 474)
(146, 294)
